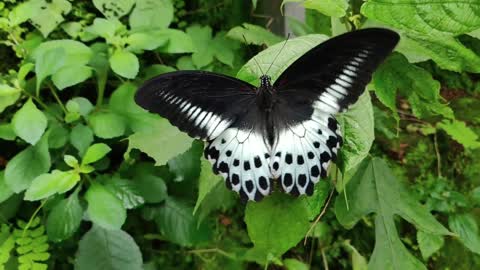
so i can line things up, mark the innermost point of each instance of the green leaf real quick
(293, 264)
(332, 8)
(206, 182)
(358, 130)
(315, 203)
(126, 191)
(95, 153)
(254, 34)
(177, 223)
(107, 125)
(465, 226)
(104, 28)
(76, 53)
(49, 63)
(374, 188)
(8, 96)
(459, 131)
(124, 63)
(145, 41)
(64, 219)
(57, 135)
(73, 29)
(122, 102)
(201, 37)
(186, 166)
(44, 15)
(5, 191)
(45, 185)
(429, 243)
(270, 229)
(6, 132)
(71, 75)
(81, 137)
(178, 41)
(155, 70)
(29, 123)
(416, 84)
(104, 208)
(429, 18)
(102, 249)
(162, 142)
(151, 14)
(71, 161)
(152, 188)
(114, 8)
(358, 261)
(27, 165)
(297, 27)
(79, 105)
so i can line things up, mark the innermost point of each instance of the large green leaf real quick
(176, 222)
(152, 188)
(107, 125)
(27, 165)
(126, 191)
(44, 15)
(429, 243)
(358, 132)
(102, 249)
(186, 166)
(124, 63)
(426, 17)
(64, 219)
(465, 226)
(29, 123)
(71, 75)
(206, 182)
(374, 189)
(114, 8)
(459, 131)
(271, 230)
(151, 14)
(81, 137)
(416, 84)
(162, 142)
(48, 184)
(332, 8)
(104, 208)
(178, 41)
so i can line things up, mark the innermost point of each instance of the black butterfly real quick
(285, 131)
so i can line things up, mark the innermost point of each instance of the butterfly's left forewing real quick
(321, 83)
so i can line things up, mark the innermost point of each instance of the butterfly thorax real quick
(265, 94)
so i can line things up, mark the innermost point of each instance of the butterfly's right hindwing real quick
(203, 104)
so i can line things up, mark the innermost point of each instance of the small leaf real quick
(79, 105)
(46, 185)
(163, 136)
(104, 28)
(152, 188)
(465, 226)
(6, 132)
(64, 219)
(254, 34)
(27, 165)
(126, 191)
(429, 243)
(178, 42)
(146, 14)
(459, 131)
(99, 246)
(95, 153)
(186, 166)
(29, 123)
(124, 63)
(107, 125)
(104, 209)
(332, 8)
(81, 137)
(293, 264)
(177, 223)
(70, 161)
(145, 41)
(71, 75)
(8, 96)
(5, 191)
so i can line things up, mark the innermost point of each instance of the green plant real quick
(106, 185)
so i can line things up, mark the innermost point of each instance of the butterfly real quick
(285, 131)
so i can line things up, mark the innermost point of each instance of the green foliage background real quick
(88, 180)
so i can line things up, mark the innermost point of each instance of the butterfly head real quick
(265, 81)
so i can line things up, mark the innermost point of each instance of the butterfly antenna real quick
(285, 43)
(250, 51)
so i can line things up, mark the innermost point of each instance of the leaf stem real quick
(33, 217)
(54, 93)
(437, 152)
(324, 210)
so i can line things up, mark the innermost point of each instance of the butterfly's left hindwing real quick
(203, 104)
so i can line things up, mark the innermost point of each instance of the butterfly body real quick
(285, 131)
